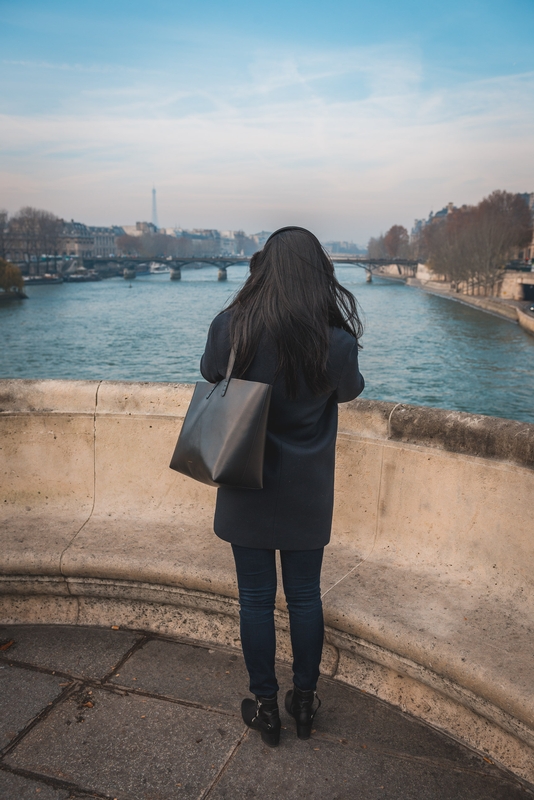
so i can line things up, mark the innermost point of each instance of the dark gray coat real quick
(293, 511)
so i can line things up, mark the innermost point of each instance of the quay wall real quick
(526, 321)
(494, 305)
(507, 304)
(428, 584)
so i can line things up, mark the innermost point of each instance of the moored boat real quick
(33, 280)
(86, 276)
(156, 268)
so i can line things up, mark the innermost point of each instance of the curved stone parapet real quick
(428, 583)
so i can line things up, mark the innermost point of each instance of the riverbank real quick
(8, 297)
(512, 310)
(494, 305)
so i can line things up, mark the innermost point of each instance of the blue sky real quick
(343, 117)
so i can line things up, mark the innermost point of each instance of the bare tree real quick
(34, 233)
(23, 234)
(417, 248)
(183, 247)
(160, 245)
(503, 225)
(129, 245)
(49, 231)
(396, 242)
(245, 244)
(4, 234)
(155, 245)
(448, 242)
(376, 247)
(472, 245)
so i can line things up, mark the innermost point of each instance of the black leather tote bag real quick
(222, 441)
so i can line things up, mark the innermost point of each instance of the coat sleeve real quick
(351, 382)
(215, 359)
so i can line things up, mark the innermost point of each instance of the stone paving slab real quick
(23, 695)
(164, 737)
(16, 787)
(130, 746)
(81, 652)
(213, 677)
(351, 714)
(321, 770)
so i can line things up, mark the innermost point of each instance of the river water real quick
(417, 348)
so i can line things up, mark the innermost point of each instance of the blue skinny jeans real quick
(256, 580)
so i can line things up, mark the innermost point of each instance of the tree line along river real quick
(417, 348)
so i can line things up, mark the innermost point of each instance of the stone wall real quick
(512, 285)
(428, 583)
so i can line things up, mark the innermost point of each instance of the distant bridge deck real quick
(223, 262)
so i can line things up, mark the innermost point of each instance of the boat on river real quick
(47, 278)
(158, 269)
(85, 276)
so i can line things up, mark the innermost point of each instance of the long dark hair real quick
(292, 295)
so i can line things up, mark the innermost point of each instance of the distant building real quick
(419, 224)
(344, 248)
(139, 229)
(228, 243)
(86, 241)
(105, 241)
(261, 237)
(76, 239)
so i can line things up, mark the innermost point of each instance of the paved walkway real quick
(86, 712)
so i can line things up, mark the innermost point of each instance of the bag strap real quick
(229, 369)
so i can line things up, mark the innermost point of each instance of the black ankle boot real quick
(262, 715)
(299, 704)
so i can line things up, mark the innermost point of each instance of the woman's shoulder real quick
(341, 340)
(342, 348)
(344, 359)
(223, 317)
(221, 323)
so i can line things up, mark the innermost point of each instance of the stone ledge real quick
(347, 611)
(428, 581)
(456, 431)
(363, 649)
(350, 660)
(466, 434)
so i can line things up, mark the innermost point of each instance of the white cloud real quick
(348, 142)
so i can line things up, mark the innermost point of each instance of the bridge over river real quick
(406, 267)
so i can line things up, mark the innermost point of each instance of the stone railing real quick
(428, 582)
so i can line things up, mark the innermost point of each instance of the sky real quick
(345, 118)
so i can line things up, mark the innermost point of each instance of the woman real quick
(295, 327)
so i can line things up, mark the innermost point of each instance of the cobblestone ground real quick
(87, 712)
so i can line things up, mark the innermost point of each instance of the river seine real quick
(417, 348)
